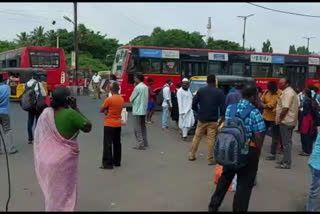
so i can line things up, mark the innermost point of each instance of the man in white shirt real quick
(34, 115)
(166, 104)
(186, 117)
(96, 79)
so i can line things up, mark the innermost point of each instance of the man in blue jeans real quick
(5, 120)
(314, 164)
(166, 104)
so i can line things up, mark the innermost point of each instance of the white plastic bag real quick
(234, 183)
(124, 116)
(90, 86)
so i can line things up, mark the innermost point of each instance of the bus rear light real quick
(63, 77)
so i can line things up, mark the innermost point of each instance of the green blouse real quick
(69, 122)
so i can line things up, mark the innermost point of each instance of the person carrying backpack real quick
(250, 140)
(33, 114)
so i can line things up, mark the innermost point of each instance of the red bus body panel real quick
(53, 74)
(159, 79)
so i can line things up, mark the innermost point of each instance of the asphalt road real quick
(157, 179)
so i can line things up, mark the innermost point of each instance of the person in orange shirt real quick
(112, 108)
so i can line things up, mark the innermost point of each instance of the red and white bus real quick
(160, 63)
(84, 75)
(48, 58)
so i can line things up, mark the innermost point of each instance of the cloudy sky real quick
(124, 21)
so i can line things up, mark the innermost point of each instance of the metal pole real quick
(76, 42)
(244, 32)
(57, 41)
(308, 39)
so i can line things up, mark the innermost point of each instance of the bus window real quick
(202, 69)
(186, 68)
(312, 74)
(155, 66)
(279, 71)
(218, 68)
(260, 70)
(3, 64)
(170, 67)
(145, 65)
(238, 69)
(12, 63)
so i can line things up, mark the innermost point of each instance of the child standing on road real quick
(112, 107)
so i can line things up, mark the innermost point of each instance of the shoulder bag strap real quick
(233, 111)
(246, 111)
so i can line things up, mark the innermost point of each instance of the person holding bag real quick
(33, 114)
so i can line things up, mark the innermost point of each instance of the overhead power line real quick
(281, 11)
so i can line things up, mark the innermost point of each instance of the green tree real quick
(142, 40)
(23, 39)
(170, 38)
(251, 49)
(6, 45)
(65, 40)
(292, 49)
(38, 37)
(266, 47)
(223, 45)
(302, 50)
(86, 60)
(51, 38)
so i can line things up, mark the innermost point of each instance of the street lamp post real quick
(244, 28)
(308, 39)
(53, 23)
(75, 35)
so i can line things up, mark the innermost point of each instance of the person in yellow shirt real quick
(269, 101)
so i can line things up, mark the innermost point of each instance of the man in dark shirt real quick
(234, 96)
(212, 103)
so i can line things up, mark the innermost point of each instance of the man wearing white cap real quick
(186, 117)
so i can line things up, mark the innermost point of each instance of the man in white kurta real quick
(186, 117)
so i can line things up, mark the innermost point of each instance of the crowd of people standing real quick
(279, 108)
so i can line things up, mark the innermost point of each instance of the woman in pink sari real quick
(56, 151)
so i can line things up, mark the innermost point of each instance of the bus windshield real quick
(119, 62)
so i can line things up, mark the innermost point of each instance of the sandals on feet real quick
(283, 166)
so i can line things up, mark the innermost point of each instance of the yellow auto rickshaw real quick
(18, 77)
(225, 82)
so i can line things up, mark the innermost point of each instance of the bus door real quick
(193, 68)
(297, 76)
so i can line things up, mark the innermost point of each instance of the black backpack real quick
(29, 98)
(160, 97)
(231, 148)
(41, 101)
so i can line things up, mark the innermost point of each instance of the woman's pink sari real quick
(56, 164)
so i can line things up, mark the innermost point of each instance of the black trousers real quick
(111, 146)
(245, 182)
(307, 143)
(32, 116)
(275, 130)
